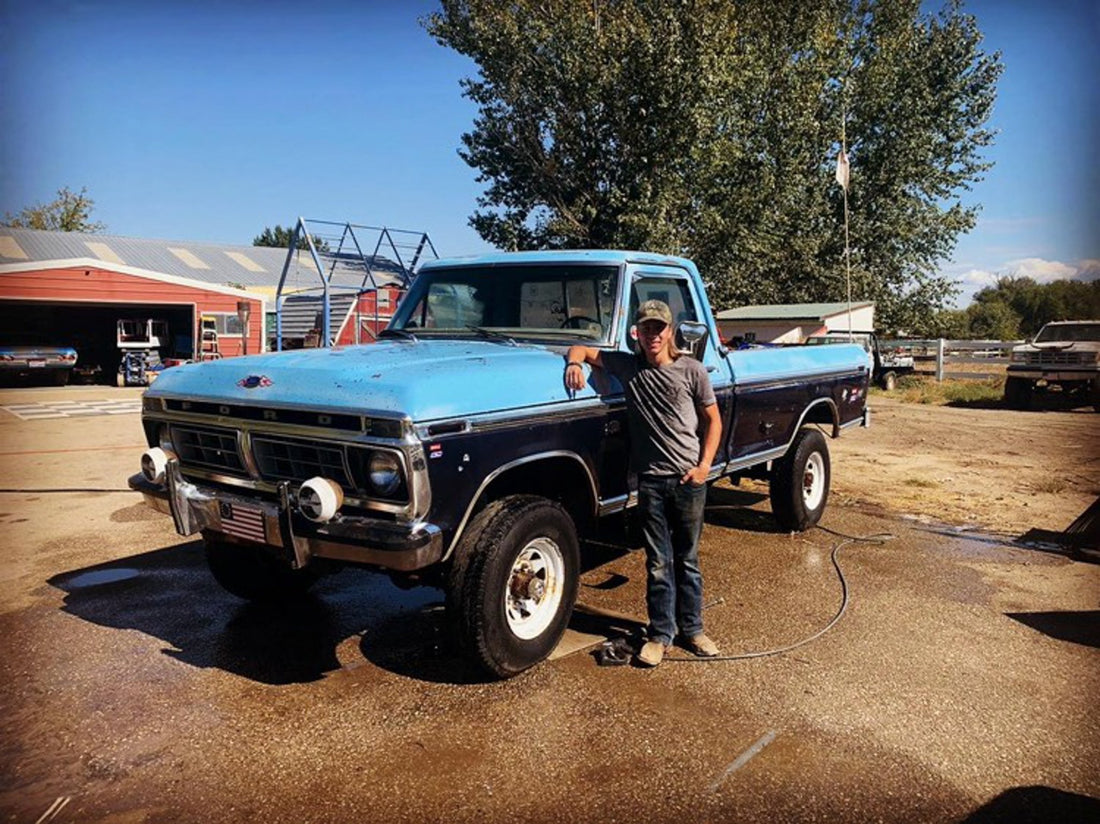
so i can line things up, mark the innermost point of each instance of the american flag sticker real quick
(242, 521)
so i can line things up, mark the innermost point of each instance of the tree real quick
(709, 128)
(70, 212)
(1034, 304)
(280, 238)
(993, 320)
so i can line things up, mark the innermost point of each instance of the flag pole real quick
(843, 172)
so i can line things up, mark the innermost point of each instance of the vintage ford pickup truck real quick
(451, 453)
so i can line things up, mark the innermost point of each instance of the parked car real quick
(1065, 355)
(887, 364)
(25, 356)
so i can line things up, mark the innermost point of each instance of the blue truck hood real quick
(424, 380)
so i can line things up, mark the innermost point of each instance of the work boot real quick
(702, 646)
(651, 654)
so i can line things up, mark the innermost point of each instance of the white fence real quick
(943, 353)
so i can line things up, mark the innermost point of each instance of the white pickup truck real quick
(1066, 355)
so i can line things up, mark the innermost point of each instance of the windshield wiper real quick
(492, 333)
(397, 333)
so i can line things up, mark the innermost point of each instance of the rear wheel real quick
(513, 583)
(889, 381)
(799, 485)
(61, 377)
(252, 572)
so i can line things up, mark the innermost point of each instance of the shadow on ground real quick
(1076, 627)
(169, 594)
(1037, 805)
(731, 508)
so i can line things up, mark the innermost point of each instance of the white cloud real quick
(1041, 271)
(974, 278)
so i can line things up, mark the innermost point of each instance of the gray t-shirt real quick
(662, 404)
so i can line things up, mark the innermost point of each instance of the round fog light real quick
(153, 463)
(319, 499)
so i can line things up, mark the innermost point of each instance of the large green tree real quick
(69, 212)
(710, 128)
(1033, 303)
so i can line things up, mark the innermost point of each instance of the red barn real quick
(74, 288)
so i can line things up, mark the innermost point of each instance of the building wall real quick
(95, 285)
(863, 320)
(768, 331)
(384, 301)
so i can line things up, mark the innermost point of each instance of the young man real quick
(666, 395)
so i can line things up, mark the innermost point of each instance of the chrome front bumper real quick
(369, 541)
(1053, 373)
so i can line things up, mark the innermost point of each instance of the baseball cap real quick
(654, 310)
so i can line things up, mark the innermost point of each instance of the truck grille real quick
(278, 458)
(208, 448)
(286, 460)
(1058, 358)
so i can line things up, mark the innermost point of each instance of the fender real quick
(489, 478)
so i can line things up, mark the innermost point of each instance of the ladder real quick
(208, 340)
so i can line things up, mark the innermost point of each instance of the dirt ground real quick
(1003, 471)
(959, 686)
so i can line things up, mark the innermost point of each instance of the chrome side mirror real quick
(692, 338)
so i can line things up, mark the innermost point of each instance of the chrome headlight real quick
(384, 472)
(1017, 357)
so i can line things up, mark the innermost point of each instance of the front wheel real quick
(513, 583)
(799, 485)
(1017, 393)
(252, 572)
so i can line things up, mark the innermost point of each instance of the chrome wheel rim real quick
(533, 594)
(813, 481)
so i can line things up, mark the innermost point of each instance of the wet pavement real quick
(959, 685)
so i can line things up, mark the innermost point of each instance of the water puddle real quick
(100, 577)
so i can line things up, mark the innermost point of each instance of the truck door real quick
(679, 291)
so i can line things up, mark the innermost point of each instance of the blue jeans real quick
(672, 520)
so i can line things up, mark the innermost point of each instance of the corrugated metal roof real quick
(226, 263)
(300, 314)
(790, 311)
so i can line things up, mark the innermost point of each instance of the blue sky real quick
(205, 121)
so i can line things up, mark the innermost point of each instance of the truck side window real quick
(673, 291)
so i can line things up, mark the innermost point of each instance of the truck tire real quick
(1017, 393)
(513, 583)
(799, 485)
(250, 571)
(889, 381)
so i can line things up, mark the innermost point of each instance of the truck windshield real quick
(536, 302)
(1068, 332)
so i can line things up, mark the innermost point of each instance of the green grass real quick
(977, 393)
(921, 482)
